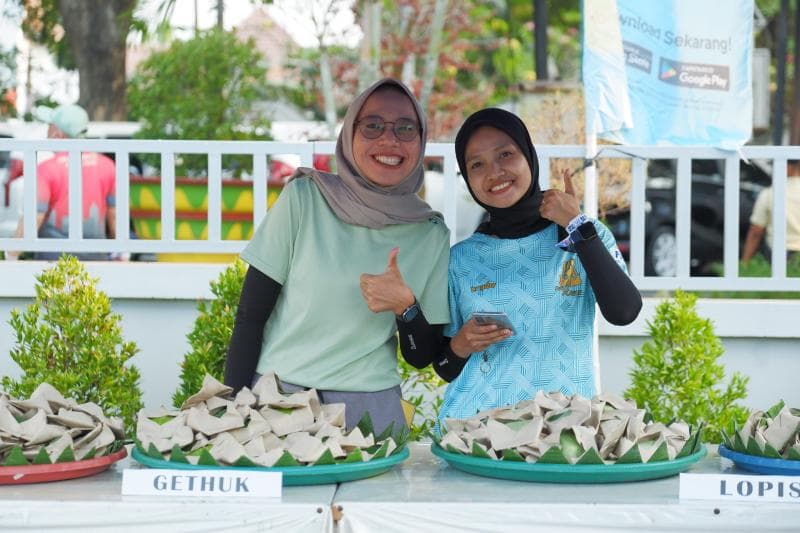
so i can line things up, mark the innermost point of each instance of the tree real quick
(203, 88)
(88, 35)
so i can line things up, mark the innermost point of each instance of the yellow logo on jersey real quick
(569, 278)
(483, 287)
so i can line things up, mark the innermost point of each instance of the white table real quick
(95, 504)
(425, 494)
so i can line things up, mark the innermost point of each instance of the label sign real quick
(202, 483)
(740, 488)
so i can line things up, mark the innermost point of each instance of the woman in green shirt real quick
(342, 261)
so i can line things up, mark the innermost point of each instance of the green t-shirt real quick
(321, 333)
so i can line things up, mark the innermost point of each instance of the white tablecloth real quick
(95, 504)
(425, 494)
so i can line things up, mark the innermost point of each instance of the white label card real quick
(201, 483)
(727, 487)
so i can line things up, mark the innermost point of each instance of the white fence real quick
(17, 276)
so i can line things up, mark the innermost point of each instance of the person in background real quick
(98, 178)
(342, 262)
(761, 217)
(540, 261)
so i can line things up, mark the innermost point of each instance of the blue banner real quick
(688, 72)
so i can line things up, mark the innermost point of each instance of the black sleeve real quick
(618, 298)
(259, 294)
(422, 344)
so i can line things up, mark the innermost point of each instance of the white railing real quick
(260, 151)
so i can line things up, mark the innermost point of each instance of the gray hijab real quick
(355, 199)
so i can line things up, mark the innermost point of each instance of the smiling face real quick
(497, 171)
(386, 161)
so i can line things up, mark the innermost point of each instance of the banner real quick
(688, 72)
(605, 84)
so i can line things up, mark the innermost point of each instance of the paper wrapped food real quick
(559, 429)
(260, 427)
(774, 434)
(49, 428)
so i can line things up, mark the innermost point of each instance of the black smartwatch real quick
(584, 232)
(410, 312)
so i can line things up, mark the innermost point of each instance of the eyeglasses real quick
(404, 129)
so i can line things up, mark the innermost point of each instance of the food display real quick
(768, 443)
(262, 427)
(558, 429)
(774, 434)
(48, 428)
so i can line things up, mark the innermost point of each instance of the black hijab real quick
(523, 218)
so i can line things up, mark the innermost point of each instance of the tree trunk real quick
(432, 56)
(97, 30)
(794, 132)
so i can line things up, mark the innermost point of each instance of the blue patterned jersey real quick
(545, 292)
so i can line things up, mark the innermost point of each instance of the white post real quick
(590, 208)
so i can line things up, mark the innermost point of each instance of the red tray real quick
(17, 475)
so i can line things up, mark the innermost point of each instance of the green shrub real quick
(676, 373)
(69, 338)
(211, 334)
(758, 267)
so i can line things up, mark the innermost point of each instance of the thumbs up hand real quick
(387, 291)
(561, 206)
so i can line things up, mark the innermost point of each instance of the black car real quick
(708, 214)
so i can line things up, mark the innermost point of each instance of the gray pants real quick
(383, 406)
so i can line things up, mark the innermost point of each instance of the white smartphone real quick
(498, 318)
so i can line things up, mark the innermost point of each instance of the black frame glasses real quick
(405, 129)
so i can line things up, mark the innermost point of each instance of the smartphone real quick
(498, 318)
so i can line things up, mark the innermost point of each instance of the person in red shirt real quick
(52, 177)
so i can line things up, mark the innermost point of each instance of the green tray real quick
(295, 475)
(560, 473)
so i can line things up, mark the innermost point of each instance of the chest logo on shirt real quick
(484, 286)
(568, 279)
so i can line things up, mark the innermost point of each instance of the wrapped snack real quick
(262, 427)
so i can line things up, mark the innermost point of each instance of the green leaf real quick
(365, 425)
(512, 455)
(632, 456)
(287, 460)
(206, 459)
(569, 444)
(89, 455)
(479, 451)
(42, 457)
(354, 457)
(177, 455)
(161, 420)
(245, 461)
(661, 454)
(380, 453)
(553, 456)
(386, 433)
(401, 438)
(153, 452)
(590, 457)
(770, 451)
(452, 449)
(559, 415)
(325, 459)
(16, 457)
(67, 456)
(753, 448)
(773, 411)
(739, 444)
(793, 453)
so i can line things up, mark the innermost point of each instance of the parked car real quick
(707, 214)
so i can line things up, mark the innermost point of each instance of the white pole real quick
(590, 208)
